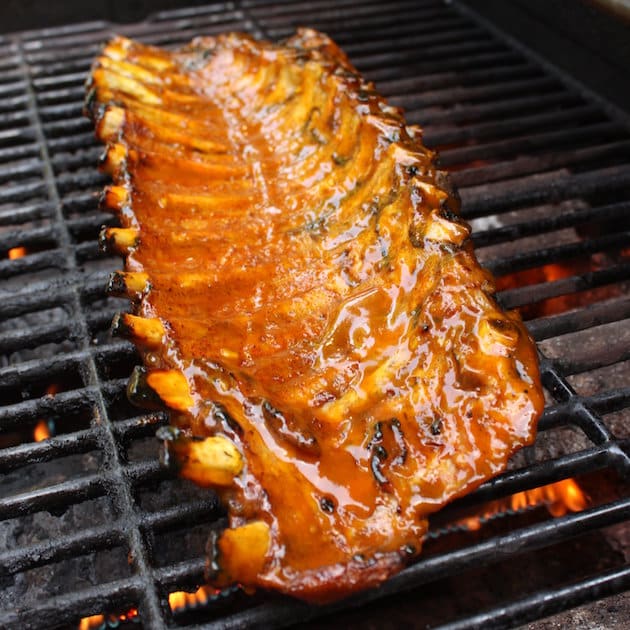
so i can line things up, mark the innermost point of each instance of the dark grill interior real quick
(90, 521)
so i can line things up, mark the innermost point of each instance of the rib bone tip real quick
(113, 159)
(210, 462)
(130, 284)
(118, 240)
(111, 123)
(157, 389)
(240, 554)
(148, 332)
(114, 198)
(172, 387)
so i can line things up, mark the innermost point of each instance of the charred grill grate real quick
(544, 172)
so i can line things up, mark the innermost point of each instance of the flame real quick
(181, 600)
(95, 621)
(111, 621)
(16, 252)
(559, 498)
(41, 431)
(45, 428)
(551, 273)
(52, 389)
(570, 498)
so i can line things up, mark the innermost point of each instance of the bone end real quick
(113, 159)
(111, 123)
(148, 332)
(114, 198)
(443, 230)
(118, 240)
(242, 553)
(157, 389)
(212, 462)
(129, 284)
(171, 387)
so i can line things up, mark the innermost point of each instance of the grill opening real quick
(95, 533)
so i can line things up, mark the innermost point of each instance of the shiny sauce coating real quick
(319, 293)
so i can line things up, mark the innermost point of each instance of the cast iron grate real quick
(544, 172)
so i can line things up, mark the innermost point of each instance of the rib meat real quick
(307, 304)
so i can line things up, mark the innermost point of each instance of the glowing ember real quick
(95, 621)
(555, 272)
(45, 428)
(51, 390)
(98, 622)
(41, 431)
(559, 498)
(181, 600)
(16, 252)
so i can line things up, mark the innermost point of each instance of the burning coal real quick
(16, 252)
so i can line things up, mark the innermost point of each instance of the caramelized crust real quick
(307, 303)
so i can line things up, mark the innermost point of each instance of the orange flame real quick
(52, 389)
(181, 600)
(88, 623)
(559, 498)
(98, 621)
(42, 430)
(16, 252)
(551, 273)
(570, 498)
(178, 601)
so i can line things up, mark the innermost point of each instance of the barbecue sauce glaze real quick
(320, 295)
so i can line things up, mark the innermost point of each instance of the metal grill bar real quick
(507, 233)
(564, 252)
(527, 295)
(595, 133)
(65, 609)
(473, 91)
(589, 317)
(84, 542)
(545, 188)
(547, 601)
(519, 480)
(104, 537)
(36, 370)
(149, 604)
(439, 566)
(48, 498)
(54, 447)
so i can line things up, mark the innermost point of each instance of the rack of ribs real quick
(307, 305)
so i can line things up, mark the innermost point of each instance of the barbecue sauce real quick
(319, 291)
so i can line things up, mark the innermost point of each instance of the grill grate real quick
(535, 157)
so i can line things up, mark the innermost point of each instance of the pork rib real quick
(307, 304)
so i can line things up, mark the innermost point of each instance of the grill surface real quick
(543, 168)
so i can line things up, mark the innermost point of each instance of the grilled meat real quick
(307, 304)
